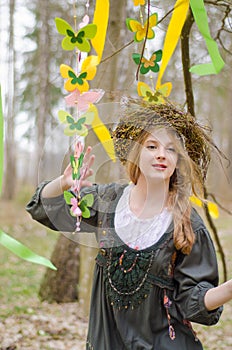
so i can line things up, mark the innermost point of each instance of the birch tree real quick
(10, 145)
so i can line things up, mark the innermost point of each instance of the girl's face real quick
(158, 156)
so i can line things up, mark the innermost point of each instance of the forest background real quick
(36, 150)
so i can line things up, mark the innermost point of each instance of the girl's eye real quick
(151, 147)
(171, 149)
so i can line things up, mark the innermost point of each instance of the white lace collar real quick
(135, 232)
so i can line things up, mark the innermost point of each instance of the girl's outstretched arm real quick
(218, 296)
(62, 183)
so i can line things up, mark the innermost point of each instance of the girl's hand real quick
(64, 182)
(86, 171)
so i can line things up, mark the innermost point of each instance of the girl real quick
(156, 270)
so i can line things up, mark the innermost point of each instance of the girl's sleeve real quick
(55, 213)
(194, 275)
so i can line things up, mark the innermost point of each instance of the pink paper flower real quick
(75, 209)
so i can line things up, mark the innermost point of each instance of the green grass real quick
(20, 280)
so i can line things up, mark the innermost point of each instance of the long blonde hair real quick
(184, 181)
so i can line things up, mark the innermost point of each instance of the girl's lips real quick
(160, 166)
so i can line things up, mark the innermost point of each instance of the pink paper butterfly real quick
(84, 22)
(82, 101)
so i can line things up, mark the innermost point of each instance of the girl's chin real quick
(157, 179)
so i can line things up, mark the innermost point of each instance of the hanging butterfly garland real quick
(176, 24)
(144, 32)
(76, 81)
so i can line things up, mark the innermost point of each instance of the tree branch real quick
(186, 62)
(190, 105)
(219, 204)
(216, 237)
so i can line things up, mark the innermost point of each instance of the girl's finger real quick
(91, 160)
(87, 153)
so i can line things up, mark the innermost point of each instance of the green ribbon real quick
(8, 242)
(22, 251)
(201, 20)
(1, 142)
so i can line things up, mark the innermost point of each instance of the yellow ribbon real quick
(103, 134)
(212, 207)
(101, 17)
(173, 34)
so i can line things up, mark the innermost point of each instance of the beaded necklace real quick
(127, 276)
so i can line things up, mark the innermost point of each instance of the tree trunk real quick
(186, 62)
(61, 285)
(10, 144)
(44, 87)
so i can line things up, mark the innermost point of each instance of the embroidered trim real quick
(189, 325)
(167, 305)
(126, 275)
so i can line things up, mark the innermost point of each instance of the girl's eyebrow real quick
(152, 140)
(170, 143)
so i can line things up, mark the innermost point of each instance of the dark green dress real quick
(141, 299)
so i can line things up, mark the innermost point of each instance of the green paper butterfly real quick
(79, 39)
(78, 127)
(148, 65)
(85, 202)
(152, 97)
(76, 166)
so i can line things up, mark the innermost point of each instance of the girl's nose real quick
(161, 153)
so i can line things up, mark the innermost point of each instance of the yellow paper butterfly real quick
(157, 96)
(76, 127)
(139, 2)
(141, 30)
(79, 81)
